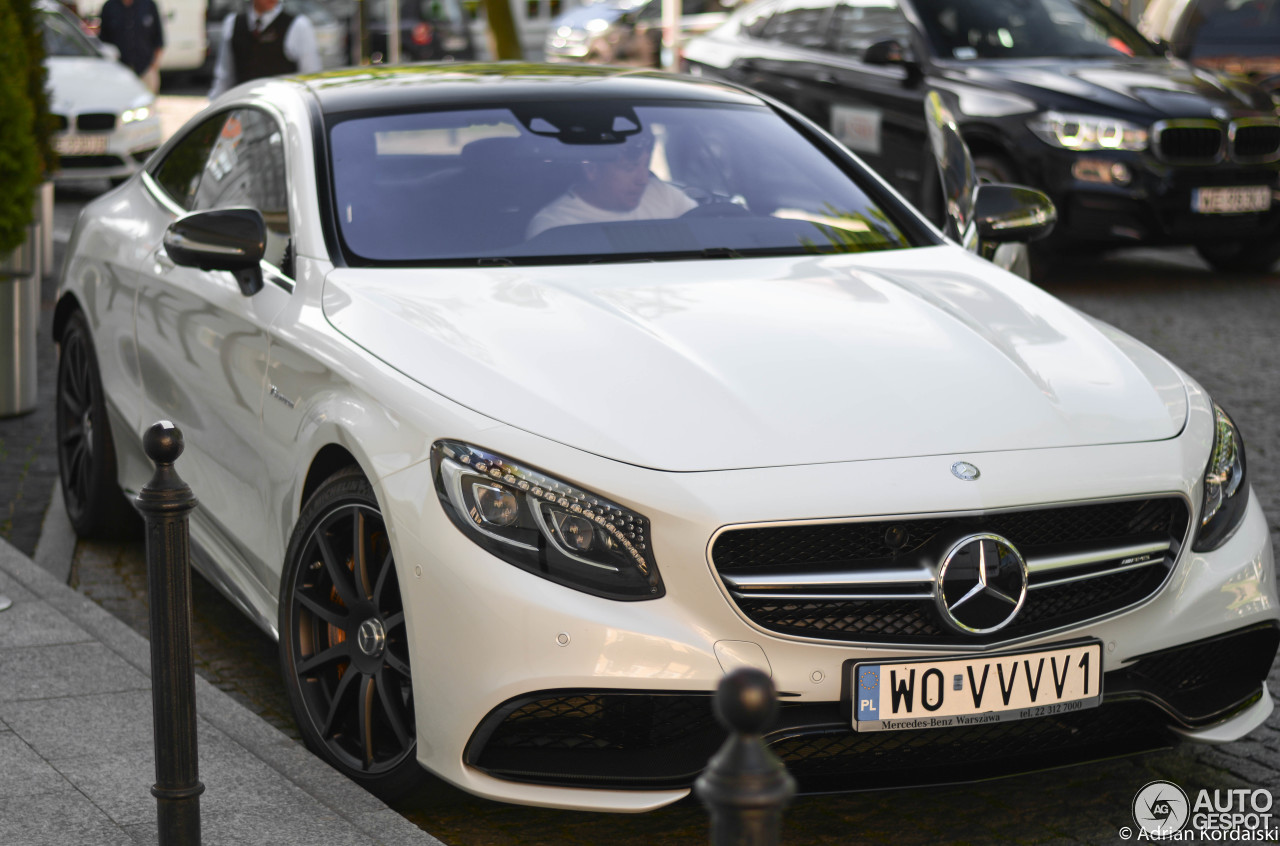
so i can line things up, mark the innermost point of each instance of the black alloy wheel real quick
(343, 644)
(992, 167)
(96, 506)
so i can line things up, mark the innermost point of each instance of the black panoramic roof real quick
(380, 88)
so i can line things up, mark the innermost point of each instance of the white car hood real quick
(726, 364)
(86, 84)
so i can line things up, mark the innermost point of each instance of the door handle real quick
(824, 78)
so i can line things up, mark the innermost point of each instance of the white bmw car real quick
(106, 123)
(524, 403)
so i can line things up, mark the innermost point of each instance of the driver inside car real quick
(614, 184)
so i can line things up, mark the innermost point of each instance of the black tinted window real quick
(179, 172)
(676, 181)
(246, 167)
(803, 23)
(1019, 29)
(856, 26)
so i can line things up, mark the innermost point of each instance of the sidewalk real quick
(76, 752)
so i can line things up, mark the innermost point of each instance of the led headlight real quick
(1087, 132)
(1225, 491)
(541, 524)
(131, 115)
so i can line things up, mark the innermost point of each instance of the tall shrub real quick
(37, 83)
(20, 170)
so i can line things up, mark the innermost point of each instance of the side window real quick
(802, 23)
(179, 173)
(857, 25)
(246, 167)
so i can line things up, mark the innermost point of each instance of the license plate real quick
(1231, 200)
(975, 690)
(80, 145)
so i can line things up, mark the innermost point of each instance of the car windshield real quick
(570, 182)
(1027, 29)
(63, 38)
(1216, 23)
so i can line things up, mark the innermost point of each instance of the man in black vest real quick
(265, 40)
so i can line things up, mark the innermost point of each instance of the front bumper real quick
(1154, 206)
(115, 154)
(531, 692)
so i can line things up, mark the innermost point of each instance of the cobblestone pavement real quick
(1221, 331)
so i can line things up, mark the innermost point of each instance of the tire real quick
(344, 651)
(96, 506)
(1242, 256)
(991, 167)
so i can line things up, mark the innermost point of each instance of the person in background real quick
(134, 27)
(264, 40)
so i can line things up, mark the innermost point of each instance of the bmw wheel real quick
(95, 504)
(343, 645)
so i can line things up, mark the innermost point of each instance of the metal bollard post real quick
(745, 786)
(165, 503)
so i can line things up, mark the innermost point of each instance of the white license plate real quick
(1231, 200)
(975, 690)
(80, 145)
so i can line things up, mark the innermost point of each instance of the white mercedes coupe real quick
(523, 403)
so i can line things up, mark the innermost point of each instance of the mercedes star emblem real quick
(965, 471)
(982, 584)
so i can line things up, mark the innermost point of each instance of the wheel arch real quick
(329, 460)
(67, 305)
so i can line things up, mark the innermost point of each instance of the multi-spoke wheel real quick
(343, 644)
(86, 453)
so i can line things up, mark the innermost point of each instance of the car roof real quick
(365, 89)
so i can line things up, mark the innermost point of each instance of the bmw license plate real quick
(1231, 200)
(80, 145)
(953, 692)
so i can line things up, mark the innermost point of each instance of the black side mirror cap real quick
(232, 239)
(889, 52)
(1012, 213)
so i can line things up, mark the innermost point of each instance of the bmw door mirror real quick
(233, 240)
(889, 52)
(1011, 213)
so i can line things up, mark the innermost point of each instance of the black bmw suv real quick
(1133, 146)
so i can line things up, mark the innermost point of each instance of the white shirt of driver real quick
(299, 46)
(659, 200)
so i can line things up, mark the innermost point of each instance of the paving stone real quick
(24, 773)
(29, 622)
(57, 820)
(48, 672)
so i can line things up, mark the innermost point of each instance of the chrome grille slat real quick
(1084, 561)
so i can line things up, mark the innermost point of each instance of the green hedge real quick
(21, 136)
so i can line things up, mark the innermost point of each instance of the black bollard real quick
(165, 503)
(745, 786)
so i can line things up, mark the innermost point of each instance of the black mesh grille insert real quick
(68, 162)
(850, 548)
(59, 122)
(96, 121)
(1256, 142)
(1190, 143)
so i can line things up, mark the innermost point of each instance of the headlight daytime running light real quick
(1226, 493)
(1087, 132)
(131, 115)
(544, 525)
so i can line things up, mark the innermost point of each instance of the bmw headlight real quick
(131, 115)
(544, 525)
(1225, 491)
(1087, 132)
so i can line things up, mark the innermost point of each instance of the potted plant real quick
(24, 152)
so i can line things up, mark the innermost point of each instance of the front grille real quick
(1189, 142)
(59, 122)
(1196, 141)
(70, 162)
(96, 121)
(1258, 142)
(873, 581)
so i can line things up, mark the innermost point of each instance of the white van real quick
(184, 35)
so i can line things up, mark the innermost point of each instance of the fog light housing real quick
(1101, 172)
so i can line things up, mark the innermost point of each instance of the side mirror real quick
(889, 52)
(233, 239)
(1011, 213)
(108, 51)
